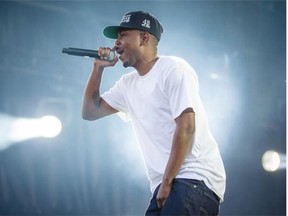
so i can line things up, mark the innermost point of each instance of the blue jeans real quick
(187, 197)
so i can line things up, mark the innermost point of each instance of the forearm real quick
(91, 96)
(182, 141)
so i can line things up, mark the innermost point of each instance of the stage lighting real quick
(50, 126)
(14, 130)
(272, 161)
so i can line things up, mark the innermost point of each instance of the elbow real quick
(88, 116)
(88, 113)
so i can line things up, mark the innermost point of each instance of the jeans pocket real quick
(210, 194)
(212, 197)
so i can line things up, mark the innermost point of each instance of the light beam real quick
(272, 161)
(15, 129)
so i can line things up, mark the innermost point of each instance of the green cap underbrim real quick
(112, 31)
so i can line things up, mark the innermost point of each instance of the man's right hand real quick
(103, 53)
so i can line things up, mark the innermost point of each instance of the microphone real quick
(87, 53)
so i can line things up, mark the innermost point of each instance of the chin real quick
(126, 64)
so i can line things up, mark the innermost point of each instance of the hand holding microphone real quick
(106, 57)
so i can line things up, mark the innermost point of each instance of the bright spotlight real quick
(14, 130)
(272, 161)
(50, 126)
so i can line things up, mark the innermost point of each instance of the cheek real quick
(131, 43)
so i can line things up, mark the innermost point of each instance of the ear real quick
(144, 37)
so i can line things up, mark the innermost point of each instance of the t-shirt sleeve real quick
(115, 98)
(182, 90)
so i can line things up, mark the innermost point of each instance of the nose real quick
(117, 44)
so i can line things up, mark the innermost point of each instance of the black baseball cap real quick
(139, 20)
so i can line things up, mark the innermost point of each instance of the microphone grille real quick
(111, 55)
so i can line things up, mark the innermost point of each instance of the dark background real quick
(238, 49)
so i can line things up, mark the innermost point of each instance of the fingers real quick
(104, 52)
(163, 194)
(161, 202)
(105, 58)
(161, 198)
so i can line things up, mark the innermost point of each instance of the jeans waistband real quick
(195, 181)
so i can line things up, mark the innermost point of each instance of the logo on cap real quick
(146, 23)
(126, 18)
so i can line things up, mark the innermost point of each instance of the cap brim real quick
(112, 31)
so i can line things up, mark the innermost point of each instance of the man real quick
(161, 98)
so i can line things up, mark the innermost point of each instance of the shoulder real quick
(176, 66)
(173, 61)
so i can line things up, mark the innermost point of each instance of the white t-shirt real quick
(152, 102)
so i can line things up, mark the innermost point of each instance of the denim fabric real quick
(187, 197)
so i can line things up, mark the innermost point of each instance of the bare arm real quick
(183, 137)
(93, 106)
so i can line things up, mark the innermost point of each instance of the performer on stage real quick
(161, 98)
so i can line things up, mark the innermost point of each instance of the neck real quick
(146, 65)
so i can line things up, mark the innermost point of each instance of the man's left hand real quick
(163, 193)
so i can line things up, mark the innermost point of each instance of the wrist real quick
(98, 67)
(167, 180)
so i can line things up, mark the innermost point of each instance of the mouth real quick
(120, 52)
